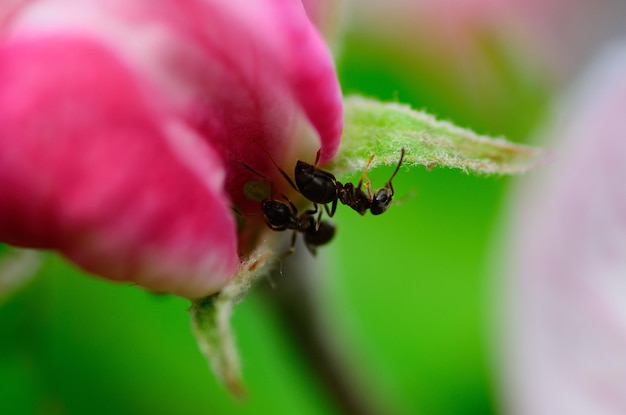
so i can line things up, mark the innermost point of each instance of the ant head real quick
(383, 196)
(381, 200)
(277, 213)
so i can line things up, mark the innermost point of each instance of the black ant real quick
(377, 202)
(320, 186)
(280, 216)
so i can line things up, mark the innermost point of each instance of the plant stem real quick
(294, 296)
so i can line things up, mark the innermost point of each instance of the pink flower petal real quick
(86, 168)
(140, 114)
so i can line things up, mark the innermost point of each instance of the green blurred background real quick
(406, 293)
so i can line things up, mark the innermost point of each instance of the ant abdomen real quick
(315, 184)
(324, 234)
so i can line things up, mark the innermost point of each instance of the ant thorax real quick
(354, 197)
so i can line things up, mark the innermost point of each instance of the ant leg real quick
(333, 208)
(292, 247)
(291, 183)
(291, 250)
(368, 187)
(294, 209)
(368, 182)
(364, 174)
(312, 211)
(318, 221)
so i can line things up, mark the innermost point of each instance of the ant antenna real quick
(317, 156)
(397, 169)
(282, 172)
(249, 167)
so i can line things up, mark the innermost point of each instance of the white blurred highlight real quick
(17, 268)
(563, 309)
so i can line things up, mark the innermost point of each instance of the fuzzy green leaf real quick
(373, 127)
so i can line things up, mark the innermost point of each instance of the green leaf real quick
(211, 320)
(373, 127)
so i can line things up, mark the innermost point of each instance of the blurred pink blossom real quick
(124, 124)
(564, 320)
(472, 41)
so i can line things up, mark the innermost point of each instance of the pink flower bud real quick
(124, 124)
